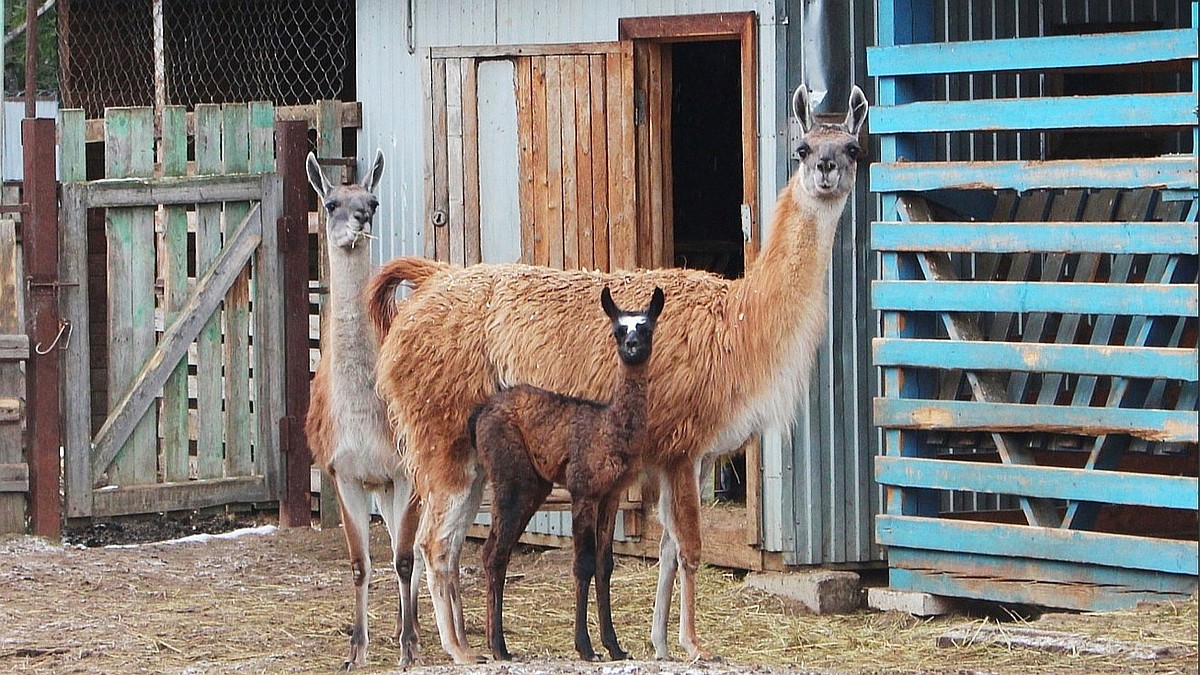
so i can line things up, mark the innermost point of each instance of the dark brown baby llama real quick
(529, 439)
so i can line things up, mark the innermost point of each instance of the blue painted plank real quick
(1043, 543)
(1174, 426)
(1036, 296)
(1016, 114)
(1108, 487)
(1035, 53)
(1056, 237)
(1050, 583)
(1174, 172)
(1119, 361)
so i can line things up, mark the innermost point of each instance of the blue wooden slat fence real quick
(1047, 352)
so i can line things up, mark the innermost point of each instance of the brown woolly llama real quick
(736, 357)
(529, 439)
(347, 426)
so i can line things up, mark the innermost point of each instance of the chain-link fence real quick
(213, 51)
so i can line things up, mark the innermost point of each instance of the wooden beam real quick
(14, 477)
(184, 496)
(124, 192)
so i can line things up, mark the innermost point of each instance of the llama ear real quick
(606, 301)
(316, 178)
(656, 304)
(802, 109)
(858, 111)
(371, 180)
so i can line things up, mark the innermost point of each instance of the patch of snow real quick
(202, 538)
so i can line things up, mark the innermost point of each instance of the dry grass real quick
(280, 603)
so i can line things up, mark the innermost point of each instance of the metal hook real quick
(64, 326)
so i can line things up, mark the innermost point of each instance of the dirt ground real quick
(279, 601)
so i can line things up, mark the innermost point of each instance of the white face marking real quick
(631, 323)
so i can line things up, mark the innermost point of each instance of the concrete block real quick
(909, 602)
(821, 591)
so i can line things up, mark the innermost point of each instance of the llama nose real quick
(826, 165)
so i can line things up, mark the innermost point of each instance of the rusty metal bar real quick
(295, 509)
(40, 231)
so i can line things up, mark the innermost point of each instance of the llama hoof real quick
(618, 655)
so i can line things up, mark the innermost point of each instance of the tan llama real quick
(347, 426)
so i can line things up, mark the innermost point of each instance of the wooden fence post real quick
(295, 509)
(47, 335)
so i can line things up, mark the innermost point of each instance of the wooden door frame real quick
(740, 26)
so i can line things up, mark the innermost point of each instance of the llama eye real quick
(331, 204)
(854, 151)
(802, 151)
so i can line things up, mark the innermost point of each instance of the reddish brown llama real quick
(736, 357)
(529, 439)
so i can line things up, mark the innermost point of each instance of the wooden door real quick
(574, 155)
(14, 348)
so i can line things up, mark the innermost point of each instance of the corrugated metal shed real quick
(818, 498)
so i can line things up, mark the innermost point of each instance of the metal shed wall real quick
(818, 496)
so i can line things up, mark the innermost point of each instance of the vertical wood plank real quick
(620, 184)
(238, 415)
(329, 144)
(749, 76)
(664, 234)
(570, 144)
(429, 168)
(599, 159)
(266, 359)
(585, 225)
(77, 403)
(209, 416)
(173, 419)
(441, 190)
(12, 379)
(129, 152)
(470, 115)
(525, 150)
(541, 179)
(454, 159)
(554, 160)
(650, 222)
(624, 256)
(72, 145)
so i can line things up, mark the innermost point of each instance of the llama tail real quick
(381, 289)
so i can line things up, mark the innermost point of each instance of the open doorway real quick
(706, 156)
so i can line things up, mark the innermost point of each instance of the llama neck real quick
(775, 316)
(352, 338)
(627, 408)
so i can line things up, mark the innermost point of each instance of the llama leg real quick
(684, 478)
(464, 515)
(583, 537)
(514, 503)
(395, 503)
(354, 502)
(436, 536)
(668, 565)
(605, 527)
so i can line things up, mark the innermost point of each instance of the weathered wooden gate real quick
(171, 283)
(14, 348)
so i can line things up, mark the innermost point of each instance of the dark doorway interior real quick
(706, 167)
(706, 156)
